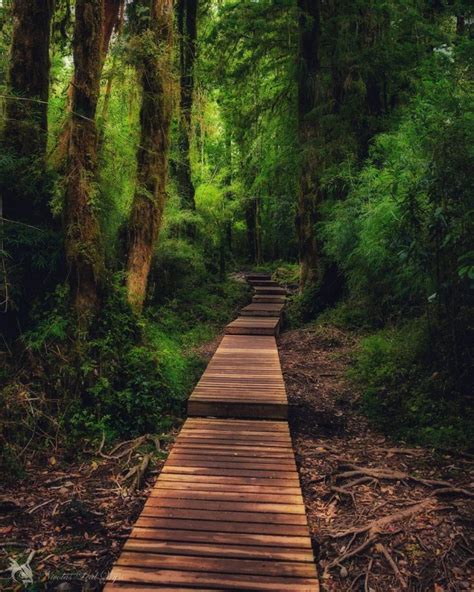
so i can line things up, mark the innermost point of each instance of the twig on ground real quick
(32, 510)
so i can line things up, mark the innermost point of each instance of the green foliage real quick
(404, 394)
(129, 377)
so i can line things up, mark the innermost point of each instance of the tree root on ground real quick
(375, 526)
(444, 487)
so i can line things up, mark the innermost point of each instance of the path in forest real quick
(226, 512)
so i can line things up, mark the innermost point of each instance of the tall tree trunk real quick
(83, 242)
(26, 126)
(111, 12)
(115, 17)
(251, 223)
(112, 9)
(187, 28)
(23, 198)
(150, 194)
(308, 136)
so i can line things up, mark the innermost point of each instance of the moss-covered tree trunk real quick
(28, 80)
(23, 198)
(150, 194)
(308, 72)
(251, 226)
(187, 29)
(82, 232)
(111, 14)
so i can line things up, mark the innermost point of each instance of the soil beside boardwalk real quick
(352, 476)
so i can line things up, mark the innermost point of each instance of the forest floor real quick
(383, 516)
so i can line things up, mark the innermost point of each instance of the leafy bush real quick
(131, 376)
(404, 394)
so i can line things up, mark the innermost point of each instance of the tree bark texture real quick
(251, 224)
(23, 148)
(82, 233)
(308, 136)
(28, 78)
(187, 29)
(155, 114)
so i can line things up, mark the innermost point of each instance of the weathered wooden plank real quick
(216, 565)
(263, 282)
(229, 506)
(199, 579)
(214, 550)
(218, 525)
(262, 309)
(254, 325)
(225, 496)
(170, 482)
(268, 298)
(269, 290)
(221, 538)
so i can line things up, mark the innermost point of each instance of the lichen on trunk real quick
(150, 194)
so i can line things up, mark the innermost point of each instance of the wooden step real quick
(262, 310)
(269, 290)
(253, 326)
(268, 298)
(263, 283)
(258, 276)
(243, 379)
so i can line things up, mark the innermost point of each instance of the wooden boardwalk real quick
(226, 512)
(243, 379)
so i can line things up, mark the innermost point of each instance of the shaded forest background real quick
(150, 148)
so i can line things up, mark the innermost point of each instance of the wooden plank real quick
(219, 505)
(258, 275)
(225, 496)
(263, 282)
(218, 525)
(263, 426)
(227, 480)
(254, 325)
(199, 579)
(268, 290)
(169, 482)
(262, 309)
(214, 550)
(174, 534)
(224, 565)
(268, 298)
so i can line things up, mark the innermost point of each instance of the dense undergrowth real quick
(131, 375)
(402, 242)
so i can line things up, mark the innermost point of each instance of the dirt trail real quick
(383, 516)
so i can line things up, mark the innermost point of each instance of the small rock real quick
(343, 572)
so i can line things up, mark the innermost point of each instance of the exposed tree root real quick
(375, 526)
(383, 550)
(445, 486)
